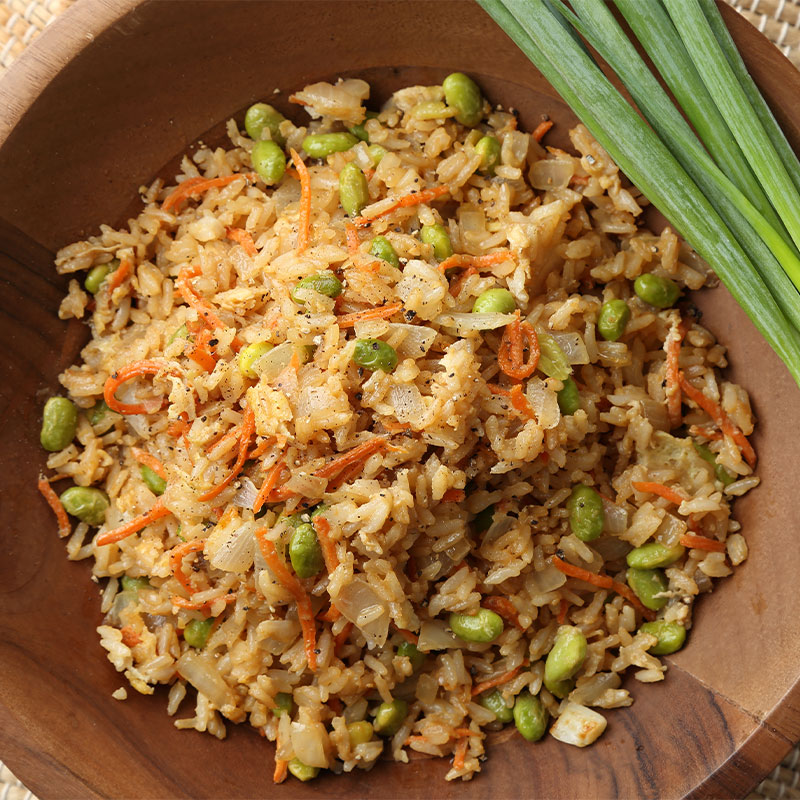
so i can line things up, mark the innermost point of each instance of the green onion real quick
(646, 161)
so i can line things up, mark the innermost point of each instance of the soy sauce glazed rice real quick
(325, 525)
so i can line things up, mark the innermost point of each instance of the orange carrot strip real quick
(345, 476)
(358, 454)
(562, 611)
(498, 680)
(197, 186)
(406, 201)
(395, 427)
(246, 432)
(119, 275)
(64, 528)
(158, 511)
(243, 238)
(134, 370)
(721, 419)
(143, 457)
(517, 337)
(705, 432)
(342, 636)
(541, 129)
(504, 607)
(129, 636)
(204, 309)
(459, 732)
(295, 588)
(672, 346)
(200, 352)
(353, 241)
(696, 542)
(269, 484)
(176, 557)
(323, 531)
(381, 312)
(179, 427)
(281, 770)
(233, 434)
(304, 233)
(460, 753)
(409, 636)
(194, 605)
(520, 402)
(603, 581)
(660, 490)
(465, 260)
(453, 496)
(458, 283)
(259, 450)
(331, 615)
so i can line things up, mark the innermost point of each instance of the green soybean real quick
(488, 148)
(324, 282)
(499, 301)
(495, 702)
(373, 354)
(321, 145)
(130, 584)
(389, 717)
(376, 153)
(283, 704)
(569, 399)
(566, 656)
(430, 109)
(263, 115)
(87, 504)
(647, 584)
(412, 653)
(586, 515)
(483, 520)
(360, 130)
(197, 631)
(552, 359)
(438, 238)
(154, 482)
(655, 290)
(269, 161)
(613, 318)
(305, 551)
(59, 422)
(381, 247)
(96, 275)
(97, 413)
(249, 355)
(302, 771)
(722, 475)
(654, 554)
(359, 732)
(463, 95)
(671, 636)
(353, 189)
(484, 626)
(530, 716)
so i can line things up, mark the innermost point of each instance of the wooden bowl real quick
(102, 101)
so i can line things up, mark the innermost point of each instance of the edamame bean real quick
(499, 301)
(565, 658)
(655, 290)
(59, 422)
(586, 515)
(321, 145)
(353, 189)
(671, 636)
(495, 702)
(283, 704)
(485, 626)
(374, 354)
(483, 520)
(613, 318)
(438, 238)
(463, 94)
(96, 276)
(654, 554)
(86, 503)
(381, 247)
(648, 584)
(552, 359)
(249, 355)
(324, 282)
(569, 399)
(412, 653)
(98, 412)
(360, 732)
(197, 631)
(722, 475)
(152, 480)
(431, 109)
(302, 771)
(130, 584)
(376, 153)
(488, 148)
(305, 552)
(269, 161)
(389, 717)
(260, 116)
(360, 130)
(530, 716)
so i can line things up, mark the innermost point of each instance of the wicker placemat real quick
(779, 20)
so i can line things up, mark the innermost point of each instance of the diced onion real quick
(246, 495)
(310, 742)
(572, 344)
(203, 675)
(433, 635)
(551, 173)
(366, 609)
(270, 365)
(464, 322)
(417, 339)
(232, 549)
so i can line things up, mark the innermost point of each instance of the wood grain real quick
(99, 114)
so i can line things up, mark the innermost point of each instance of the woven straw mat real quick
(779, 20)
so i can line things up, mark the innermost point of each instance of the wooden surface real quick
(116, 106)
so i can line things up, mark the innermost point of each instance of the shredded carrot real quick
(323, 531)
(64, 528)
(229, 514)
(304, 233)
(395, 427)
(228, 437)
(475, 262)
(204, 309)
(541, 129)
(562, 611)
(721, 419)
(134, 370)
(196, 605)
(200, 352)
(331, 615)
(158, 511)
(281, 770)
(345, 476)
(460, 753)
(381, 312)
(246, 432)
(178, 427)
(705, 432)
(129, 636)
(259, 449)
(352, 238)
(290, 582)
(498, 680)
(176, 557)
(406, 201)
(243, 238)
(602, 581)
(518, 399)
(410, 637)
(458, 284)
(143, 457)
(696, 542)
(119, 275)
(453, 496)
(342, 637)
(193, 187)
(504, 607)
(517, 338)
(269, 484)
(358, 454)
(672, 346)
(660, 490)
